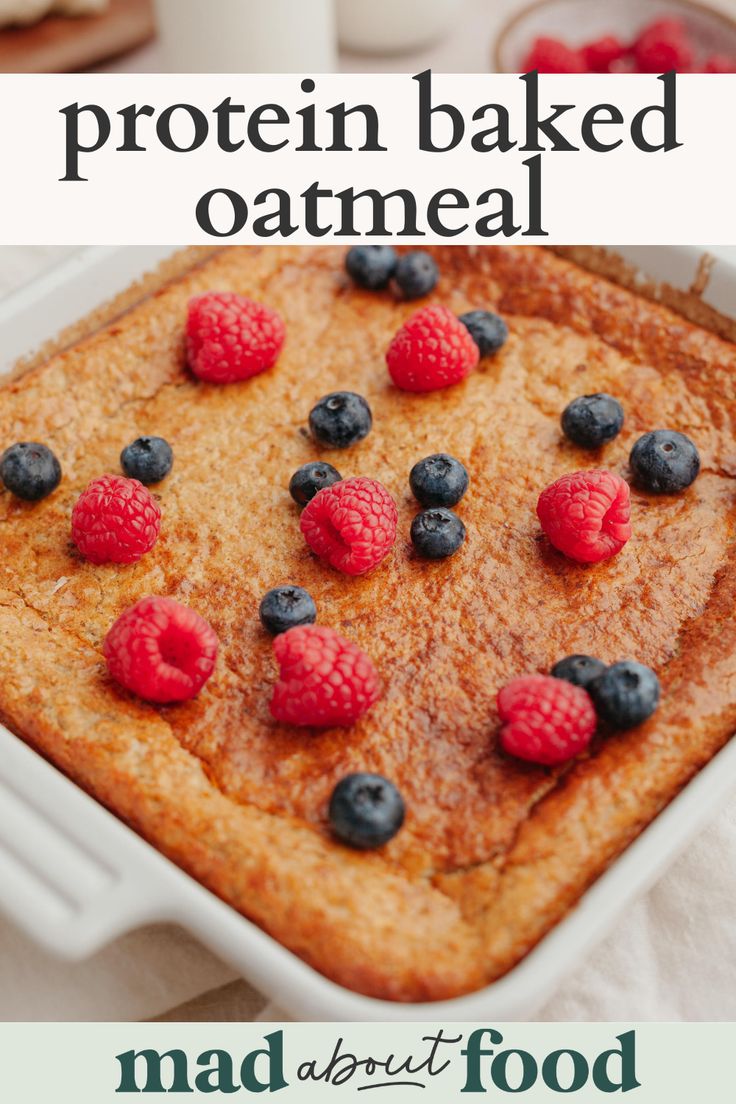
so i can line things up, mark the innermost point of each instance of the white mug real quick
(247, 36)
(393, 26)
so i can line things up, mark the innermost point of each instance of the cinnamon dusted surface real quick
(493, 851)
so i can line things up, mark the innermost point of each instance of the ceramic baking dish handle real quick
(71, 875)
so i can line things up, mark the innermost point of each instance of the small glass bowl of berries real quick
(628, 36)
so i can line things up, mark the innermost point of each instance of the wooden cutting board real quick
(60, 44)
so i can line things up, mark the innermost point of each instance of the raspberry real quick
(586, 515)
(720, 63)
(324, 679)
(545, 720)
(161, 651)
(432, 349)
(351, 524)
(115, 520)
(601, 54)
(661, 46)
(550, 55)
(231, 338)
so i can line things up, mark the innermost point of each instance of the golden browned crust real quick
(688, 302)
(494, 852)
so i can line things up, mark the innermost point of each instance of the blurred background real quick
(46, 36)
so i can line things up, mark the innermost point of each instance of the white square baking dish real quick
(74, 877)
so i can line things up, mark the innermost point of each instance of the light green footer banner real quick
(647, 1063)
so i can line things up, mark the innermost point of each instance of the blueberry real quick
(340, 419)
(625, 694)
(416, 274)
(147, 459)
(371, 266)
(438, 480)
(437, 533)
(488, 330)
(30, 470)
(580, 670)
(664, 461)
(591, 420)
(310, 478)
(286, 606)
(366, 810)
